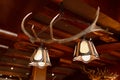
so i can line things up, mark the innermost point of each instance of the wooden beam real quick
(55, 53)
(110, 47)
(63, 70)
(14, 65)
(107, 62)
(115, 53)
(15, 55)
(82, 9)
(62, 47)
(20, 53)
(13, 73)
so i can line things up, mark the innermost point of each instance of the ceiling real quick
(78, 14)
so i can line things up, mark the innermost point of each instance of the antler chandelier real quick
(52, 39)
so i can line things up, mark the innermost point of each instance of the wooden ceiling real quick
(78, 14)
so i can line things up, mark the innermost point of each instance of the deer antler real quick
(91, 28)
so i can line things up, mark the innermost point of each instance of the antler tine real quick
(97, 15)
(32, 39)
(34, 31)
(51, 25)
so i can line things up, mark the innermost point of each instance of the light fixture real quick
(85, 51)
(40, 58)
(87, 56)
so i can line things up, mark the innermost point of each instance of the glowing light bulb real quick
(38, 55)
(6, 78)
(84, 47)
(53, 74)
(12, 68)
(10, 76)
(41, 63)
(86, 58)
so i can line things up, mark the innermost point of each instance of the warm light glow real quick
(38, 55)
(86, 58)
(53, 74)
(6, 78)
(84, 48)
(10, 76)
(41, 64)
(12, 68)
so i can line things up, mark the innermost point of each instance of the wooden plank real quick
(14, 65)
(82, 9)
(108, 47)
(13, 73)
(62, 47)
(15, 55)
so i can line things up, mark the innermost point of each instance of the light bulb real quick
(41, 63)
(12, 68)
(86, 58)
(38, 55)
(10, 76)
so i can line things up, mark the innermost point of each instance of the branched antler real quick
(91, 28)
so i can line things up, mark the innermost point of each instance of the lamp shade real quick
(40, 58)
(84, 47)
(85, 51)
